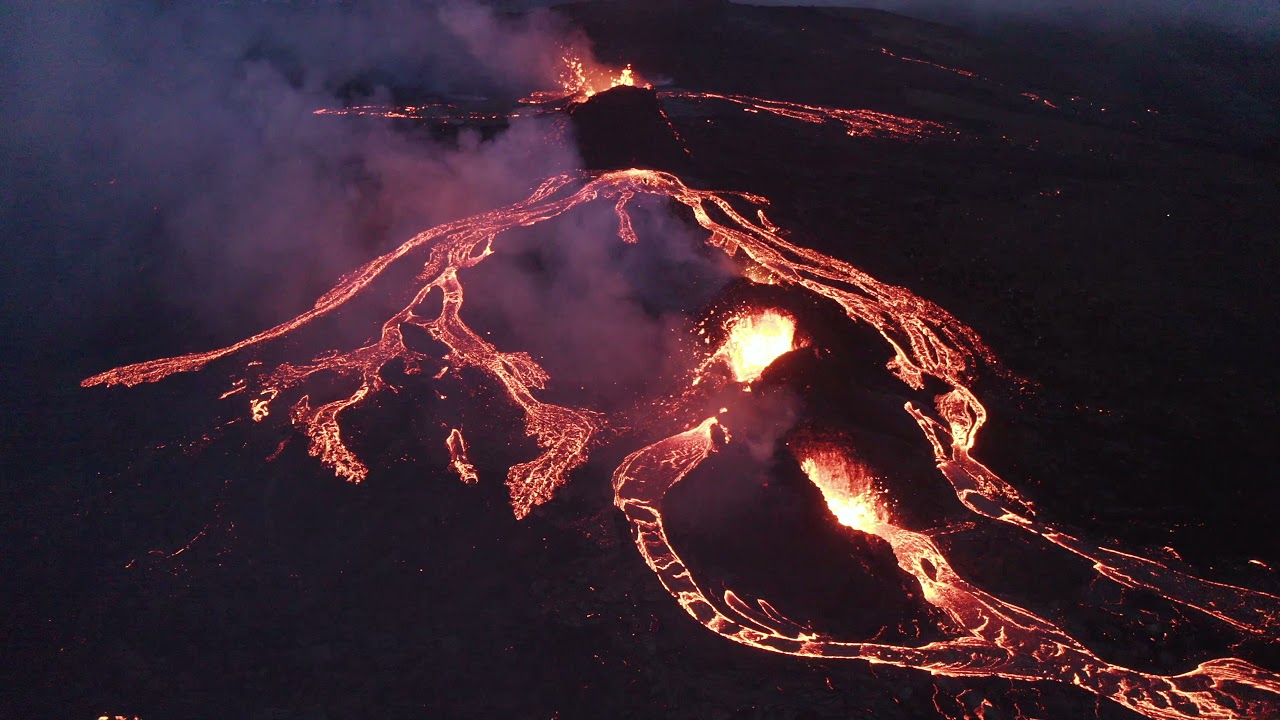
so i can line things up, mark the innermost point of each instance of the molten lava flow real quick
(957, 71)
(447, 112)
(1037, 99)
(999, 640)
(564, 434)
(458, 459)
(924, 342)
(847, 489)
(857, 123)
(755, 341)
(578, 81)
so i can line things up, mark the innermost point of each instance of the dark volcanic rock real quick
(625, 127)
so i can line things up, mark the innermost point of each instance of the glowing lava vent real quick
(848, 489)
(577, 78)
(755, 341)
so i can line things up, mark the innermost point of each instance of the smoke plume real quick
(170, 150)
(168, 165)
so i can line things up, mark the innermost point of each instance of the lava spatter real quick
(754, 341)
(459, 460)
(855, 122)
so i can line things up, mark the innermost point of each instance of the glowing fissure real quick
(999, 639)
(1037, 99)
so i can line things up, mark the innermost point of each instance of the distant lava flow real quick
(957, 71)
(578, 81)
(925, 343)
(578, 84)
(855, 122)
(428, 111)
(866, 123)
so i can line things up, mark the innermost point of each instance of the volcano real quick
(625, 127)
(866, 367)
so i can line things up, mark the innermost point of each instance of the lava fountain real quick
(755, 341)
(848, 490)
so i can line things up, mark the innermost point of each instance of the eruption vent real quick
(848, 488)
(755, 341)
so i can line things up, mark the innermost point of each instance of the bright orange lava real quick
(1000, 639)
(856, 123)
(924, 342)
(578, 78)
(755, 341)
(458, 458)
(848, 490)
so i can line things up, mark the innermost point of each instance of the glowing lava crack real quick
(924, 341)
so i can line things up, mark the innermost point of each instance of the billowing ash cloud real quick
(176, 142)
